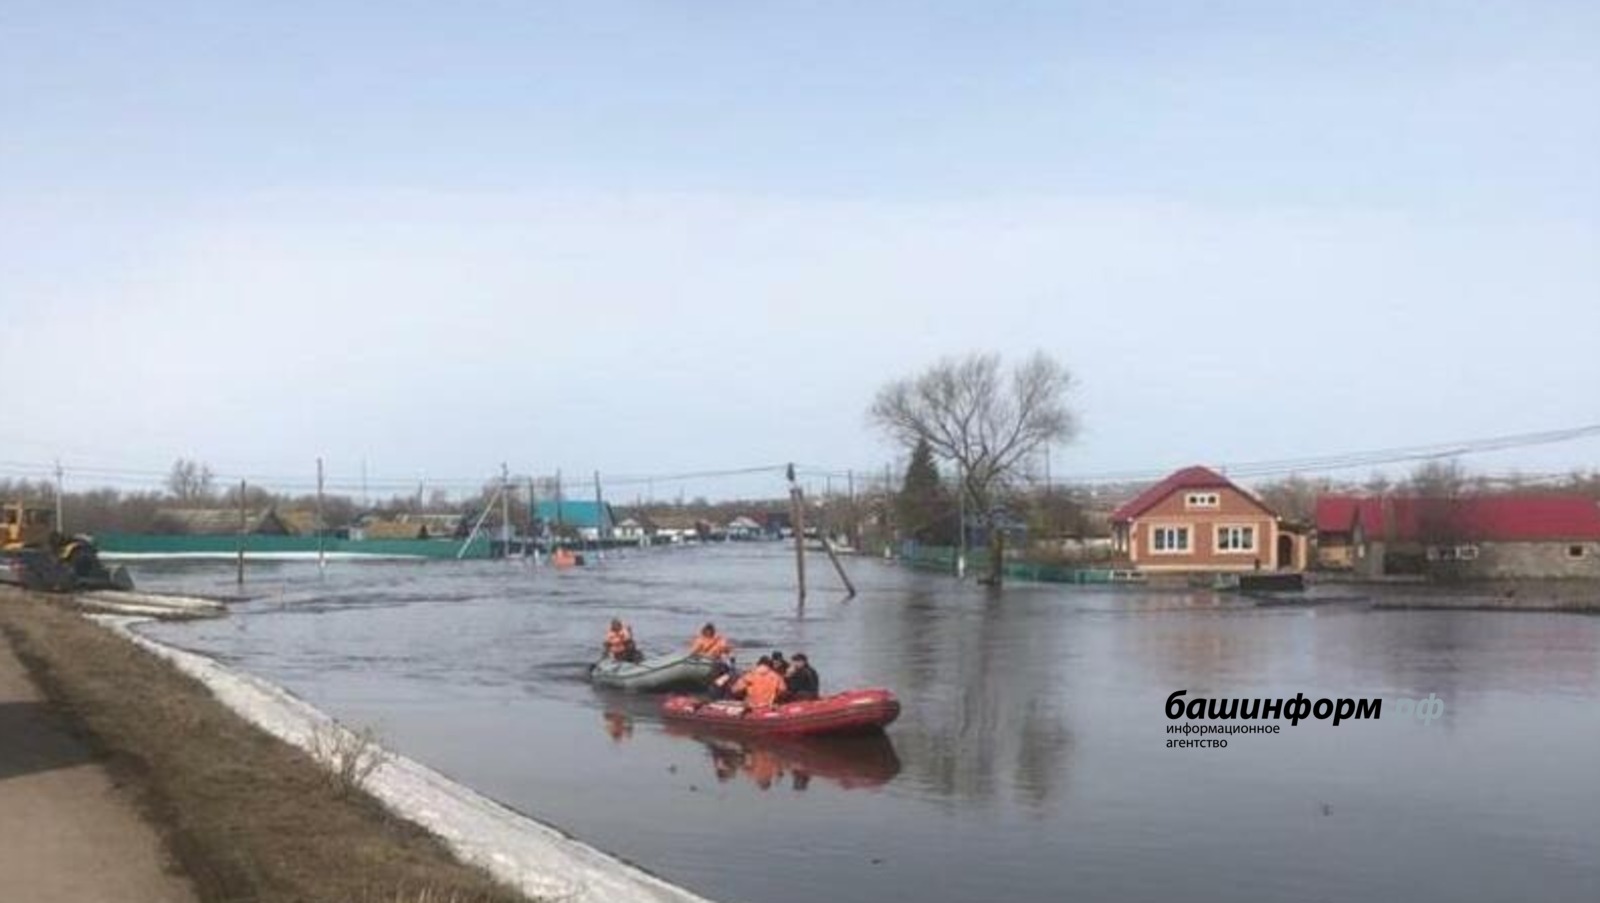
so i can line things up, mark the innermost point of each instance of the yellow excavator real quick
(35, 556)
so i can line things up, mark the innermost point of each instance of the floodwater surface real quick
(1030, 761)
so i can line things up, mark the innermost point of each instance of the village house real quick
(1199, 521)
(677, 527)
(225, 522)
(410, 525)
(744, 528)
(1471, 536)
(590, 521)
(636, 527)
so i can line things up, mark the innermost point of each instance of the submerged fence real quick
(943, 558)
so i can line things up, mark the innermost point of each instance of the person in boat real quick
(710, 644)
(761, 686)
(802, 679)
(619, 645)
(713, 645)
(722, 682)
(779, 663)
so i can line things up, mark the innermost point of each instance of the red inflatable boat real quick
(852, 712)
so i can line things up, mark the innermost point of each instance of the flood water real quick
(1030, 761)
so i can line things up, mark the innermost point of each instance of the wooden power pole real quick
(244, 528)
(797, 517)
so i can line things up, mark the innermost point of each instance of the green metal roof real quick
(575, 513)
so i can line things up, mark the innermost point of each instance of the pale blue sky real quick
(652, 237)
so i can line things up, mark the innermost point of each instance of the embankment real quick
(1572, 596)
(245, 816)
(217, 760)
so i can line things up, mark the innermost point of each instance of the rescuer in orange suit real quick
(762, 686)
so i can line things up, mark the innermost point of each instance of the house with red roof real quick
(1199, 521)
(1335, 522)
(1512, 535)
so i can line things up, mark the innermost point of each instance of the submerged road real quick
(1031, 758)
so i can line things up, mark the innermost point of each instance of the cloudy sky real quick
(661, 237)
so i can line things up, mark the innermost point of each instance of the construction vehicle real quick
(35, 556)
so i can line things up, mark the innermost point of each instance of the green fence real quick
(137, 545)
(943, 558)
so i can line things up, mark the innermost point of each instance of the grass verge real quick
(249, 818)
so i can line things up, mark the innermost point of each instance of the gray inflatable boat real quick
(678, 671)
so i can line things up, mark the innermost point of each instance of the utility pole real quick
(961, 520)
(1049, 497)
(533, 517)
(599, 520)
(559, 521)
(855, 519)
(322, 527)
(797, 515)
(889, 518)
(243, 527)
(505, 510)
(61, 519)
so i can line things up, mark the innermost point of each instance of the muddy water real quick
(1030, 762)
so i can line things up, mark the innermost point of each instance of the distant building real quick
(744, 528)
(777, 524)
(590, 520)
(636, 527)
(1197, 520)
(676, 527)
(1471, 536)
(225, 522)
(410, 525)
(301, 522)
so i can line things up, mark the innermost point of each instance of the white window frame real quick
(1223, 529)
(1185, 530)
(1205, 501)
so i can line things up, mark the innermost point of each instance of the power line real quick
(1326, 463)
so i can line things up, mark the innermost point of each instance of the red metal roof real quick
(1187, 478)
(1489, 518)
(1337, 513)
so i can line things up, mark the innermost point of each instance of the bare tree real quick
(189, 481)
(1295, 497)
(1439, 488)
(990, 427)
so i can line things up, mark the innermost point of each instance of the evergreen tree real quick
(926, 511)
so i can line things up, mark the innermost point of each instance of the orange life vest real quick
(618, 641)
(712, 647)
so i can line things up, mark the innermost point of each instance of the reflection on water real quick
(851, 763)
(619, 725)
(990, 705)
(848, 762)
(1029, 761)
